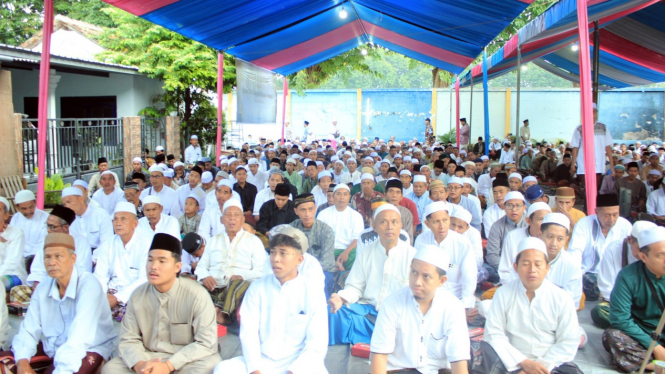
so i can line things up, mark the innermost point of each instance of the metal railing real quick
(153, 133)
(73, 146)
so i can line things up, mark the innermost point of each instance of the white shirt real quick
(310, 269)
(123, 268)
(192, 154)
(320, 197)
(332, 130)
(211, 223)
(427, 342)
(369, 236)
(222, 258)
(259, 180)
(474, 237)
(347, 225)
(187, 261)
(34, 230)
(463, 271)
(285, 327)
(349, 177)
(656, 203)
(167, 196)
(611, 265)
(95, 224)
(83, 260)
(68, 327)
(261, 197)
(166, 225)
(375, 274)
(406, 191)
(491, 215)
(587, 248)
(507, 157)
(495, 146)
(183, 193)
(212, 203)
(509, 253)
(108, 202)
(11, 253)
(544, 329)
(601, 138)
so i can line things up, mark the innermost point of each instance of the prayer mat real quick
(600, 315)
(489, 294)
(349, 261)
(590, 286)
(118, 311)
(20, 294)
(627, 354)
(228, 298)
(490, 363)
(582, 299)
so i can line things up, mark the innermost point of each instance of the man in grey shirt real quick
(514, 218)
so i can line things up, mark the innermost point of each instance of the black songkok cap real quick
(610, 199)
(166, 242)
(275, 159)
(438, 164)
(394, 183)
(102, 160)
(192, 242)
(197, 169)
(500, 182)
(392, 169)
(64, 213)
(140, 176)
(311, 163)
(417, 167)
(460, 168)
(282, 190)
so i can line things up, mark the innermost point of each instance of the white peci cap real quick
(151, 199)
(531, 243)
(24, 196)
(433, 255)
(385, 207)
(124, 207)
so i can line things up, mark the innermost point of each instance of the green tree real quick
(187, 68)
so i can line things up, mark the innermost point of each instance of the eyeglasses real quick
(53, 227)
(155, 177)
(456, 188)
(514, 206)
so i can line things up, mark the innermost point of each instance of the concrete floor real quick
(592, 359)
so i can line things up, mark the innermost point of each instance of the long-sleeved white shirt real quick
(544, 329)
(259, 180)
(222, 258)
(187, 261)
(656, 203)
(167, 196)
(349, 177)
(463, 271)
(166, 225)
(507, 157)
(375, 274)
(108, 202)
(11, 253)
(347, 225)
(192, 154)
(211, 224)
(473, 208)
(284, 327)
(491, 215)
(588, 248)
(183, 192)
(310, 269)
(34, 230)
(68, 327)
(427, 342)
(95, 224)
(611, 265)
(123, 268)
(476, 241)
(509, 253)
(83, 260)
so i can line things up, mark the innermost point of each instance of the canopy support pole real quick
(596, 60)
(457, 109)
(285, 93)
(42, 122)
(220, 97)
(587, 107)
(471, 109)
(517, 103)
(486, 101)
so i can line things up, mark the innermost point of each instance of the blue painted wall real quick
(399, 113)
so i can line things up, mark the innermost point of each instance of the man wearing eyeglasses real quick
(515, 206)
(168, 196)
(455, 196)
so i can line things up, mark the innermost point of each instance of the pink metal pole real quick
(220, 97)
(457, 108)
(587, 107)
(285, 93)
(42, 122)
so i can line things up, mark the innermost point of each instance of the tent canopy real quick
(631, 43)
(286, 36)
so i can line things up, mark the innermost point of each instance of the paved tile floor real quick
(592, 359)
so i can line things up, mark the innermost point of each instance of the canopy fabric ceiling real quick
(286, 36)
(628, 28)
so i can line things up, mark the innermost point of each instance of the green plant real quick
(449, 137)
(55, 184)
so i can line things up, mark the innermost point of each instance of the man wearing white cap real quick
(618, 255)
(656, 203)
(347, 224)
(92, 222)
(531, 326)
(381, 268)
(155, 221)
(211, 223)
(83, 186)
(32, 221)
(137, 167)
(484, 189)
(361, 201)
(637, 305)
(460, 222)
(231, 260)
(455, 196)
(12, 239)
(507, 155)
(353, 174)
(321, 190)
(515, 207)
(534, 218)
(94, 184)
(419, 195)
(255, 176)
(207, 182)
(121, 261)
(407, 185)
(167, 195)
(193, 151)
(110, 194)
(423, 312)
(463, 271)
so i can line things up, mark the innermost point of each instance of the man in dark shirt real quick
(278, 211)
(247, 192)
(562, 172)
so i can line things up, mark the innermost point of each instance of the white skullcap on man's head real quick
(531, 242)
(640, 226)
(124, 207)
(230, 203)
(24, 196)
(650, 236)
(385, 207)
(433, 255)
(71, 191)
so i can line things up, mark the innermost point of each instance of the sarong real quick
(627, 354)
(490, 363)
(228, 298)
(600, 315)
(352, 324)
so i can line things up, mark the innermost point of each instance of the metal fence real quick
(153, 133)
(73, 146)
